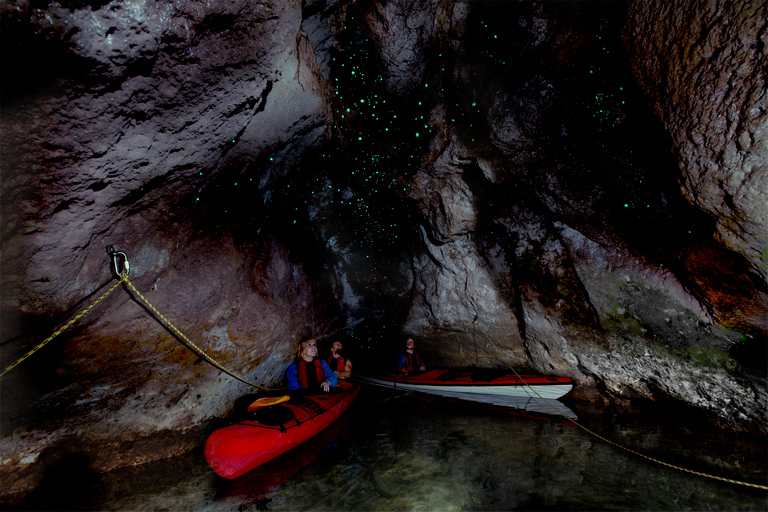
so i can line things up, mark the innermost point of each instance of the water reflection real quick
(409, 452)
(522, 404)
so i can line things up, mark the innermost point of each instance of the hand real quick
(423, 368)
(325, 385)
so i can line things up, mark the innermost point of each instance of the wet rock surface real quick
(500, 190)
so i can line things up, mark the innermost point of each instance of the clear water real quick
(410, 452)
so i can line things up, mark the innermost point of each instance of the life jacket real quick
(310, 375)
(413, 361)
(337, 364)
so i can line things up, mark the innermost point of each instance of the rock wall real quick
(138, 140)
(702, 65)
(486, 176)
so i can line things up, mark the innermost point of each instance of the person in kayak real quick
(338, 363)
(410, 361)
(308, 372)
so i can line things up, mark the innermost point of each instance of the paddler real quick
(410, 361)
(338, 363)
(308, 372)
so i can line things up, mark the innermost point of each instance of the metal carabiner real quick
(120, 266)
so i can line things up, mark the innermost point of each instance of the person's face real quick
(310, 350)
(409, 343)
(336, 347)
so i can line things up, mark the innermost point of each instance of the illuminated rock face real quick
(706, 78)
(484, 176)
(141, 124)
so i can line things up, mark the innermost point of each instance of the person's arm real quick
(401, 363)
(346, 372)
(330, 375)
(291, 374)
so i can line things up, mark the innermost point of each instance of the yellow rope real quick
(124, 279)
(59, 331)
(756, 486)
(189, 343)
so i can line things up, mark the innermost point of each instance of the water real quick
(393, 451)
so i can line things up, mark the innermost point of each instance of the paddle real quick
(267, 401)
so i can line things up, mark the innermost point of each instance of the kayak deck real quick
(449, 382)
(236, 449)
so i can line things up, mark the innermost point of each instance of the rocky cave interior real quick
(574, 188)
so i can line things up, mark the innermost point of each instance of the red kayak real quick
(234, 450)
(444, 381)
(497, 387)
(264, 481)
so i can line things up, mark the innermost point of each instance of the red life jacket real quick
(337, 364)
(410, 359)
(310, 374)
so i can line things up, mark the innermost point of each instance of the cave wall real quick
(703, 68)
(323, 168)
(133, 133)
(544, 243)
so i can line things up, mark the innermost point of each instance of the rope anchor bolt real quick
(120, 266)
